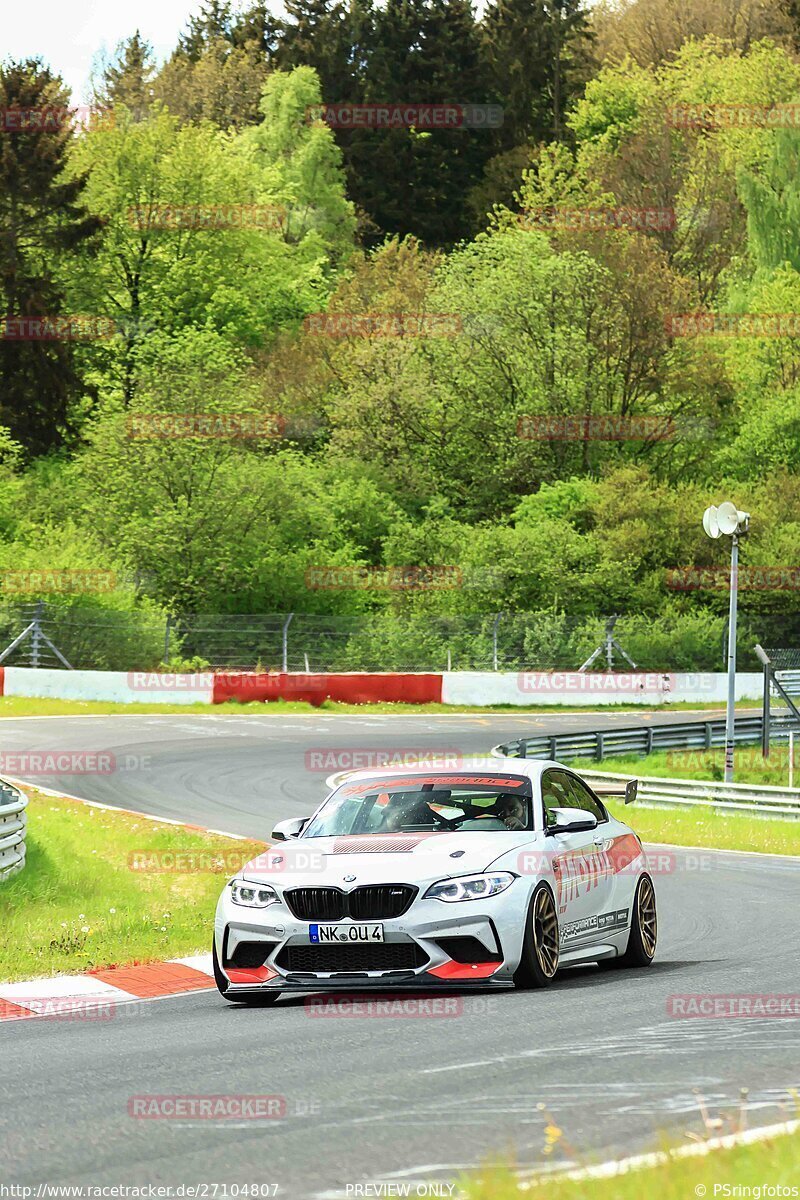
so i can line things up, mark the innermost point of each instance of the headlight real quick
(470, 887)
(253, 895)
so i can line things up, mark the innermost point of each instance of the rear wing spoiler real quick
(627, 790)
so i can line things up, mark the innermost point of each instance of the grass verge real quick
(714, 830)
(79, 903)
(767, 1168)
(32, 706)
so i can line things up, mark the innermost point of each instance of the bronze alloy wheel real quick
(545, 933)
(648, 921)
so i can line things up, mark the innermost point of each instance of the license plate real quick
(320, 934)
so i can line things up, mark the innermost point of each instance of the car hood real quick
(385, 858)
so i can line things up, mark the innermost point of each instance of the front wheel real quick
(251, 999)
(540, 946)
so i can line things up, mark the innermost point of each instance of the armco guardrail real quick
(698, 793)
(13, 803)
(641, 739)
(680, 735)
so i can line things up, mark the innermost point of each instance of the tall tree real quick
(536, 51)
(317, 34)
(255, 27)
(128, 78)
(223, 85)
(213, 21)
(653, 31)
(218, 71)
(414, 180)
(42, 217)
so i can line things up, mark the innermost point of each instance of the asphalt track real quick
(391, 1100)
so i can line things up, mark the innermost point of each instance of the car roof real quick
(477, 764)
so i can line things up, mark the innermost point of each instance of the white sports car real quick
(493, 875)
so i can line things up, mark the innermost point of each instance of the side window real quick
(582, 797)
(555, 793)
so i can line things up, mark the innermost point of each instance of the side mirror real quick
(285, 830)
(571, 820)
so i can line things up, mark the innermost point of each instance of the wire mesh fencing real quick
(47, 634)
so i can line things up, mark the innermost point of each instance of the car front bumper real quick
(496, 923)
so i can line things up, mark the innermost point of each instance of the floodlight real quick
(728, 517)
(711, 522)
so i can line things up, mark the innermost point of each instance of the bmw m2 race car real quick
(491, 875)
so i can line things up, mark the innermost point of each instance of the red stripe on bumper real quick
(250, 974)
(454, 970)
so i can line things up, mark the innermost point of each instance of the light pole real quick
(729, 520)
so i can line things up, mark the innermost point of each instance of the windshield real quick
(425, 804)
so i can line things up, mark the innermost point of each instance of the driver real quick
(511, 811)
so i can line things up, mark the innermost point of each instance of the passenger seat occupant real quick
(407, 811)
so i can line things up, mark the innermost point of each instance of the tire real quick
(250, 999)
(643, 936)
(540, 945)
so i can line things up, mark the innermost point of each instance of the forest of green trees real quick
(458, 348)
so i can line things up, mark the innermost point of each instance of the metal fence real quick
(670, 793)
(638, 739)
(12, 830)
(721, 797)
(56, 634)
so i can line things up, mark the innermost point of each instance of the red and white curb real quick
(97, 994)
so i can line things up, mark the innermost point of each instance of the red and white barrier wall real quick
(354, 688)
(565, 688)
(575, 689)
(121, 687)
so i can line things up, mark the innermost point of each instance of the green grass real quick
(749, 766)
(763, 1165)
(78, 903)
(31, 706)
(714, 830)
